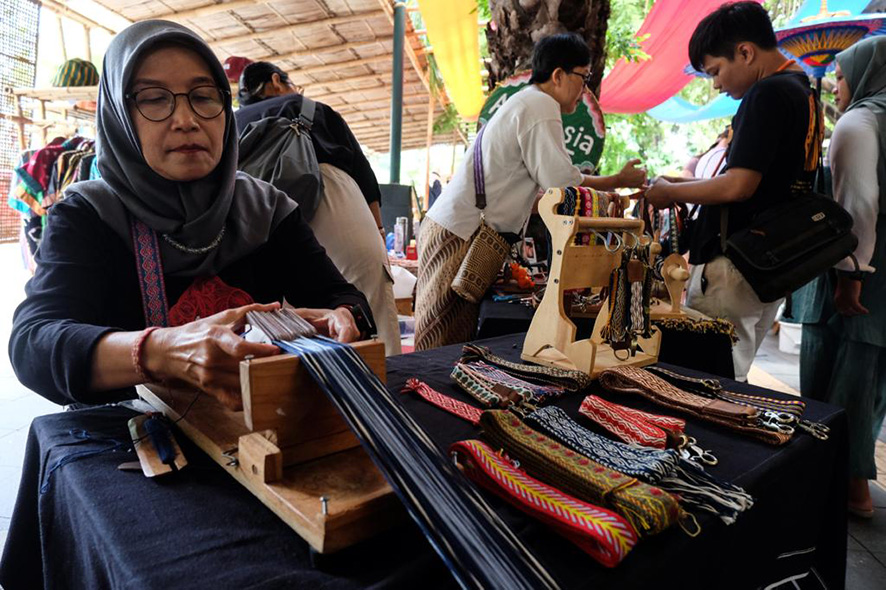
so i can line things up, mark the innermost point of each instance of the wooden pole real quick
(61, 38)
(429, 139)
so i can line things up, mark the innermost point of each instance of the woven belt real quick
(633, 426)
(444, 402)
(649, 509)
(571, 381)
(742, 419)
(784, 415)
(604, 535)
(665, 468)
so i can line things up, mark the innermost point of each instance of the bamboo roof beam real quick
(294, 28)
(341, 65)
(64, 10)
(312, 51)
(207, 10)
(410, 52)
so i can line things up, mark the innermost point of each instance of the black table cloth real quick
(710, 353)
(97, 527)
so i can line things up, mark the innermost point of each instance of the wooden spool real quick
(551, 337)
(292, 449)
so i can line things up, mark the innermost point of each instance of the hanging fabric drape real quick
(635, 87)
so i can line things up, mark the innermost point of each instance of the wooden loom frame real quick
(292, 449)
(551, 337)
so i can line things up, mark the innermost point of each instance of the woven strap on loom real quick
(733, 416)
(649, 509)
(604, 535)
(664, 468)
(633, 426)
(571, 381)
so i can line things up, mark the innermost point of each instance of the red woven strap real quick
(630, 425)
(444, 402)
(602, 534)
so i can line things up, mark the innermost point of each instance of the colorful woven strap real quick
(633, 426)
(738, 418)
(665, 468)
(604, 535)
(150, 273)
(648, 509)
(444, 402)
(497, 383)
(490, 394)
(571, 381)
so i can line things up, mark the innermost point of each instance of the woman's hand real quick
(206, 353)
(338, 323)
(657, 194)
(630, 176)
(847, 297)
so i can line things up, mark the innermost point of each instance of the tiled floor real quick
(866, 562)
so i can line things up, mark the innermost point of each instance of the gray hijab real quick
(191, 213)
(864, 68)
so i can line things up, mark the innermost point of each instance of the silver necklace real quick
(211, 245)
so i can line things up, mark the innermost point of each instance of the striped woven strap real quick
(633, 426)
(150, 273)
(571, 381)
(489, 394)
(444, 402)
(649, 509)
(742, 419)
(646, 464)
(604, 535)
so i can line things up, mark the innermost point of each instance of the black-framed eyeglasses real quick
(157, 104)
(587, 78)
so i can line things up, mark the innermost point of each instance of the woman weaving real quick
(94, 324)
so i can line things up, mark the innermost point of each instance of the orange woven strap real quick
(633, 426)
(604, 535)
(649, 509)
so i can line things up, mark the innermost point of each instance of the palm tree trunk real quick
(516, 25)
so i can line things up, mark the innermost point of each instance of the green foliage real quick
(621, 39)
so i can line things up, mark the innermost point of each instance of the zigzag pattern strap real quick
(630, 425)
(604, 535)
(649, 509)
(444, 402)
(150, 273)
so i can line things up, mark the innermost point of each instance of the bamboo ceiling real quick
(340, 51)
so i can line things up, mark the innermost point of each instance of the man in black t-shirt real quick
(773, 153)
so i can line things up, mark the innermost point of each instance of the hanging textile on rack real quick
(630, 300)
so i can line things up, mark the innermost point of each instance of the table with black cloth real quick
(710, 353)
(93, 526)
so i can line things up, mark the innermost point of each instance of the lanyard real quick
(150, 273)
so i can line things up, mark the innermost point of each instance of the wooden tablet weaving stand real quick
(551, 337)
(292, 449)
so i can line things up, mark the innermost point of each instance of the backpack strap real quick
(306, 115)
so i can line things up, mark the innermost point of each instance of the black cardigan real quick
(86, 285)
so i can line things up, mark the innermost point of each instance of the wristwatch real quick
(362, 320)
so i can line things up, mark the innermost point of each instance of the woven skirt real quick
(441, 316)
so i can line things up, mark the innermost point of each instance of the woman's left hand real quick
(338, 323)
(657, 196)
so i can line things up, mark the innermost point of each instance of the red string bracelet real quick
(137, 355)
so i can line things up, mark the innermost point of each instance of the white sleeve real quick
(545, 157)
(853, 157)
